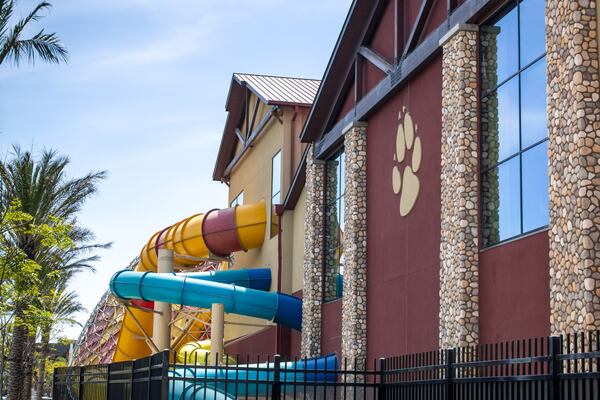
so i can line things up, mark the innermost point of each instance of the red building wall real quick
(514, 290)
(403, 252)
(331, 326)
(262, 343)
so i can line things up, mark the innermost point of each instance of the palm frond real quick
(13, 47)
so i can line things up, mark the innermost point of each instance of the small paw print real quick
(406, 184)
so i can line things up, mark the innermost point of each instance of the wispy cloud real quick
(170, 46)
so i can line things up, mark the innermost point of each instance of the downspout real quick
(280, 330)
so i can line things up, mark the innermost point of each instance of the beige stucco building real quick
(258, 159)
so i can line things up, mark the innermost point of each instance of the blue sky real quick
(143, 98)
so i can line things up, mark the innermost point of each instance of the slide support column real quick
(217, 326)
(161, 327)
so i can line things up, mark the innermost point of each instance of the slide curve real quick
(204, 290)
(215, 233)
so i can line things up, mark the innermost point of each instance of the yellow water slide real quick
(217, 233)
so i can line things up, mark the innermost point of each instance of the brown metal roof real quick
(276, 91)
(279, 90)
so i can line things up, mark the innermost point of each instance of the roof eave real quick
(342, 56)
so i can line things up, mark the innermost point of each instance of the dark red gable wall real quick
(382, 41)
(403, 252)
(514, 290)
(348, 103)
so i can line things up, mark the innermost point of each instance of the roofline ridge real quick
(277, 76)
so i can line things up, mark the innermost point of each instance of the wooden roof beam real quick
(418, 27)
(375, 59)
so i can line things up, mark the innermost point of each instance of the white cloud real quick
(170, 46)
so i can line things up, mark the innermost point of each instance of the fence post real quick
(108, 369)
(81, 383)
(382, 387)
(450, 360)
(132, 381)
(54, 381)
(555, 347)
(276, 388)
(164, 385)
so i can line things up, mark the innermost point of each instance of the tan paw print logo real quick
(407, 161)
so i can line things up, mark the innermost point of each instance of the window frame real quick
(237, 200)
(274, 227)
(338, 202)
(502, 12)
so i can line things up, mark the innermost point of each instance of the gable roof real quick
(276, 91)
(280, 90)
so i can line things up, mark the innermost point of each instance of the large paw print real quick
(406, 184)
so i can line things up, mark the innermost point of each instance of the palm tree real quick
(45, 193)
(63, 306)
(13, 47)
(60, 304)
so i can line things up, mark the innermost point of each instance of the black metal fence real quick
(550, 368)
(146, 379)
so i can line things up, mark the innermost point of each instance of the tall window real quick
(334, 225)
(275, 191)
(514, 149)
(238, 201)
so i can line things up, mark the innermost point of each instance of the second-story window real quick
(334, 224)
(238, 201)
(275, 191)
(514, 148)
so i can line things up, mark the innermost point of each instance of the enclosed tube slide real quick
(259, 376)
(170, 288)
(217, 233)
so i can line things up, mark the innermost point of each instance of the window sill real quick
(515, 238)
(332, 300)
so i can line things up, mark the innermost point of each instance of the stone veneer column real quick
(574, 164)
(354, 303)
(459, 247)
(314, 220)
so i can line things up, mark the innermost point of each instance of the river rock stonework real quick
(459, 247)
(312, 295)
(354, 303)
(574, 164)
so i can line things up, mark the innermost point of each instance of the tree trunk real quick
(2, 359)
(16, 373)
(42, 367)
(28, 357)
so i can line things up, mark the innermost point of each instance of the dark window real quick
(275, 191)
(334, 225)
(514, 158)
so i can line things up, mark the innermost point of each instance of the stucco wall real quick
(252, 175)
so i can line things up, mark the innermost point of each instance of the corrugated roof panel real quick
(279, 89)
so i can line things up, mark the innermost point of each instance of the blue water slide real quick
(204, 289)
(253, 380)
(256, 278)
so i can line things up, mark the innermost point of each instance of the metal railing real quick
(550, 368)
